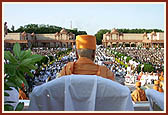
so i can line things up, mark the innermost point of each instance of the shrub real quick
(20, 62)
(126, 65)
(148, 68)
(118, 60)
(51, 58)
(128, 58)
(121, 62)
(139, 68)
(43, 60)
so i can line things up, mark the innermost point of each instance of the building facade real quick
(59, 39)
(146, 40)
(67, 39)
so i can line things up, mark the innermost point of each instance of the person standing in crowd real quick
(5, 29)
(85, 52)
(138, 94)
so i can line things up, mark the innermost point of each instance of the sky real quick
(89, 17)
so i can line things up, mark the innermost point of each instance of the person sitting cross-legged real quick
(138, 94)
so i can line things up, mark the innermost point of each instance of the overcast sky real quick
(89, 17)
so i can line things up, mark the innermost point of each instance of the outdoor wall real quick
(127, 36)
(132, 36)
(16, 36)
(12, 36)
(160, 35)
(45, 36)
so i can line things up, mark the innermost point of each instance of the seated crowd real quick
(87, 60)
(152, 56)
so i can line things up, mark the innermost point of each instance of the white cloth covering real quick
(155, 96)
(81, 93)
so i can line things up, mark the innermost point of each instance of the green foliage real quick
(39, 29)
(121, 62)
(128, 58)
(139, 68)
(51, 58)
(8, 107)
(126, 65)
(133, 45)
(69, 49)
(147, 48)
(119, 55)
(138, 30)
(99, 35)
(127, 45)
(43, 60)
(6, 94)
(13, 28)
(20, 106)
(45, 29)
(148, 68)
(20, 63)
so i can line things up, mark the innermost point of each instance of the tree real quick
(20, 63)
(148, 68)
(13, 28)
(99, 35)
(128, 58)
(46, 29)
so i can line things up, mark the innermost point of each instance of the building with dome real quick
(146, 40)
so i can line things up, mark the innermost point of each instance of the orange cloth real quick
(156, 82)
(86, 41)
(138, 83)
(161, 78)
(138, 95)
(156, 88)
(85, 66)
(161, 89)
(22, 95)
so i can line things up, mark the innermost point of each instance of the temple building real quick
(146, 40)
(59, 39)
(67, 39)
